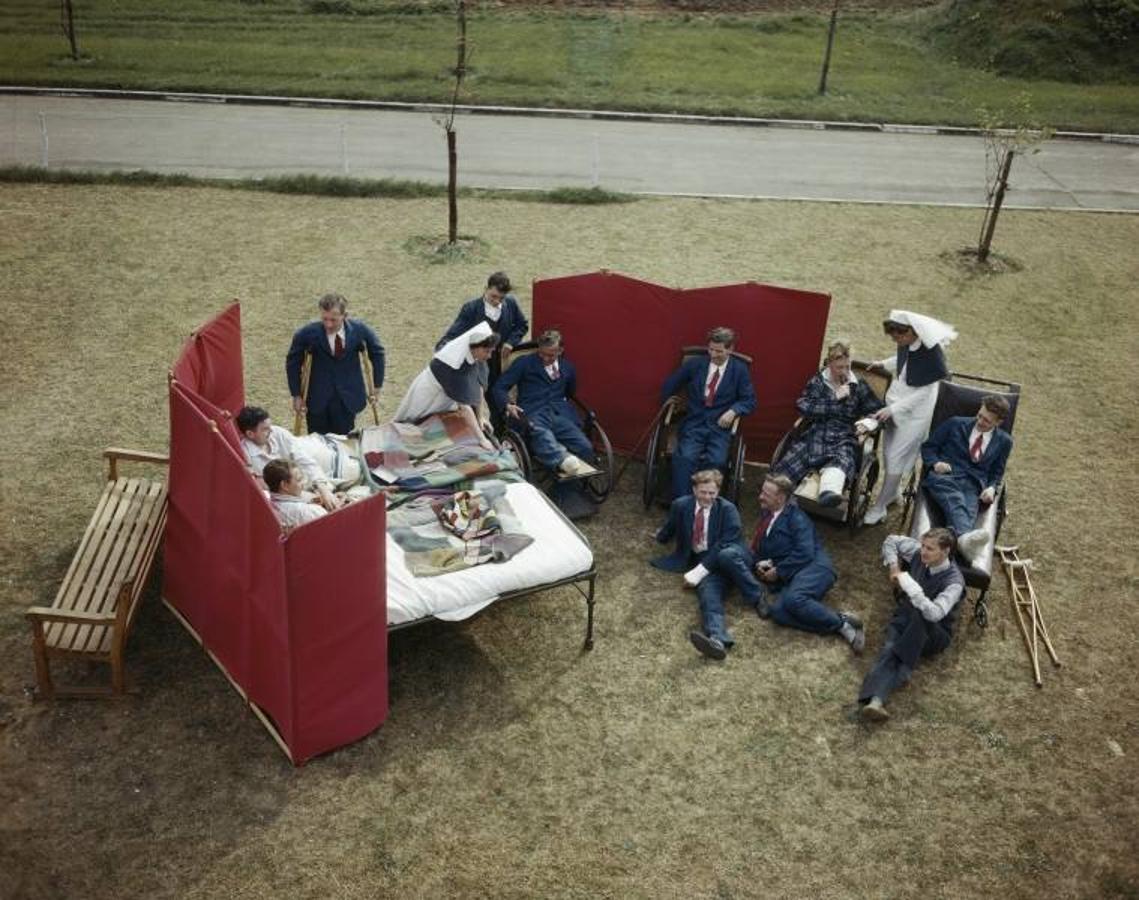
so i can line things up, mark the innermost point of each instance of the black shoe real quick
(829, 499)
(711, 647)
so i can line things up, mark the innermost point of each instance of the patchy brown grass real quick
(512, 764)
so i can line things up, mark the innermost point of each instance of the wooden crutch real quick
(369, 385)
(1026, 605)
(306, 374)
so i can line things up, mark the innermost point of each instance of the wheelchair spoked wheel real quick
(654, 464)
(735, 470)
(598, 486)
(860, 493)
(515, 444)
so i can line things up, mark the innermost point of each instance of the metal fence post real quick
(43, 140)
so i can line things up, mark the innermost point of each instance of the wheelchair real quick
(662, 444)
(513, 435)
(960, 395)
(857, 490)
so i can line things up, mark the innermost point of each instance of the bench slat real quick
(112, 561)
(81, 588)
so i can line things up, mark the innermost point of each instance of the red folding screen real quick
(299, 623)
(624, 336)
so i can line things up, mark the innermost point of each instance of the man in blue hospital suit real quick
(718, 389)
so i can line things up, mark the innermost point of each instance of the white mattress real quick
(557, 552)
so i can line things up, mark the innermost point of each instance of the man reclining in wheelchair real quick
(837, 411)
(542, 410)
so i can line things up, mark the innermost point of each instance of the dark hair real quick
(491, 341)
(276, 473)
(722, 335)
(500, 281)
(891, 327)
(333, 302)
(550, 338)
(997, 405)
(250, 417)
(943, 536)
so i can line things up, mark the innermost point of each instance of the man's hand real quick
(514, 410)
(942, 468)
(725, 421)
(298, 405)
(374, 396)
(895, 571)
(883, 414)
(327, 499)
(988, 495)
(842, 391)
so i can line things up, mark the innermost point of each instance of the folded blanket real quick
(443, 451)
(428, 530)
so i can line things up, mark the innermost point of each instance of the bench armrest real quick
(114, 454)
(74, 617)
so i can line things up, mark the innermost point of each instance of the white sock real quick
(848, 632)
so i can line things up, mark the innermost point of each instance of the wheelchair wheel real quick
(515, 444)
(860, 491)
(598, 486)
(735, 478)
(655, 464)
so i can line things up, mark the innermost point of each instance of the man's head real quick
(483, 349)
(549, 346)
(775, 492)
(838, 362)
(720, 343)
(901, 333)
(936, 545)
(333, 312)
(253, 422)
(281, 477)
(994, 410)
(497, 287)
(706, 486)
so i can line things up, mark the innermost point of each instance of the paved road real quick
(509, 151)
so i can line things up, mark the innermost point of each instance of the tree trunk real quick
(830, 46)
(990, 224)
(67, 15)
(452, 188)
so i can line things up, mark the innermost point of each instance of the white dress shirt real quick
(293, 511)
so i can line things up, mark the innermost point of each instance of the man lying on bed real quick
(291, 502)
(263, 441)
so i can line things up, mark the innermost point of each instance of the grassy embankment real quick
(885, 66)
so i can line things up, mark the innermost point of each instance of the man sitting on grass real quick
(930, 587)
(787, 557)
(702, 523)
(294, 505)
(964, 463)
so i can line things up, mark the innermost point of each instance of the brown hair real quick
(276, 473)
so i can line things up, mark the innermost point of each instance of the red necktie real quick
(698, 528)
(339, 349)
(760, 531)
(710, 394)
(975, 450)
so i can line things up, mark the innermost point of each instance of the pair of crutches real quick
(306, 375)
(1029, 616)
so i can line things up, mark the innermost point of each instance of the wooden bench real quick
(95, 606)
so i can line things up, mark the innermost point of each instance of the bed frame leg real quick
(589, 614)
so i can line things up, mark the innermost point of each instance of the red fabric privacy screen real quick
(298, 623)
(624, 336)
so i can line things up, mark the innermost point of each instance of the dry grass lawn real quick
(512, 764)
